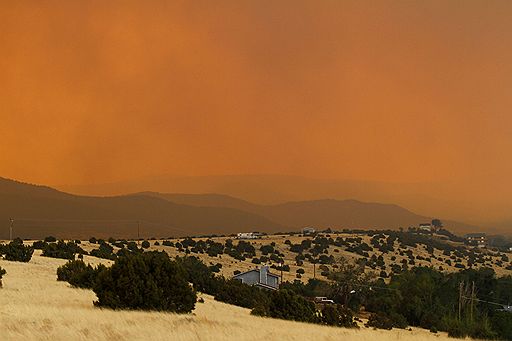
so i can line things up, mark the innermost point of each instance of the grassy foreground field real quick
(34, 306)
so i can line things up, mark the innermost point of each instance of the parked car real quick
(323, 300)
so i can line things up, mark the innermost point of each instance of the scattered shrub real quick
(200, 275)
(240, 294)
(380, 321)
(16, 251)
(215, 268)
(266, 249)
(2, 273)
(62, 250)
(79, 274)
(337, 315)
(145, 281)
(39, 245)
(502, 324)
(105, 251)
(455, 329)
(287, 305)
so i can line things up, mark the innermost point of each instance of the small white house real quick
(308, 231)
(248, 235)
(425, 227)
(261, 277)
(476, 239)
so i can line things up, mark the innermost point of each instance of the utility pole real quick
(461, 286)
(472, 300)
(138, 232)
(10, 228)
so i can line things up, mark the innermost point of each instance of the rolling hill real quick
(453, 201)
(319, 213)
(40, 211)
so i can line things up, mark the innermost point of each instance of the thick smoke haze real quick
(94, 92)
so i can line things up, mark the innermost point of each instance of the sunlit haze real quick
(95, 92)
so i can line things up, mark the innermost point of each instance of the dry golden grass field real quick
(35, 306)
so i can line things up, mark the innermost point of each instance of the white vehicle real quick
(324, 300)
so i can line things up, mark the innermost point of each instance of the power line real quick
(371, 287)
(11, 226)
(484, 301)
(104, 221)
(73, 220)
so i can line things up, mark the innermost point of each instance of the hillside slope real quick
(447, 200)
(207, 199)
(35, 306)
(40, 211)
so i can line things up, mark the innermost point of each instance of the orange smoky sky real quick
(396, 91)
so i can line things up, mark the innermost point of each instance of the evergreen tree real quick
(145, 281)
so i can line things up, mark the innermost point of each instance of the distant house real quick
(476, 239)
(248, 235)
(259, 277)
(308, 231)
(426, 227)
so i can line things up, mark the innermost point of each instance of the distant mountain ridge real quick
(426, 198)
(320, 213)
(9, 186)
(39, 211)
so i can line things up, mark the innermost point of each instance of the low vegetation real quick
(2, 273)
(287, 305)
(338, 316)
(16, 251)
(142, 281)
(79, 274)
(105, 251)
(409, 295)
(61, 249)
